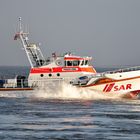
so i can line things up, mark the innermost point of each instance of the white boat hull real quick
(122, 82)
(119, 87)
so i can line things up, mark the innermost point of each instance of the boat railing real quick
(123, 70)
(13, 83)
(45, 82)
(32, 83)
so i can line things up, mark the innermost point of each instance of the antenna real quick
(20, 25)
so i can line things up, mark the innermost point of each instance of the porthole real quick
(50, 75)
(41, 75)
(58, 74)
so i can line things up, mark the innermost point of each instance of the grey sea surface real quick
(66, 114)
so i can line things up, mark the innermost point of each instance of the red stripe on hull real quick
(110, 87)
(62, 69)
(74, 58)
(105, 88)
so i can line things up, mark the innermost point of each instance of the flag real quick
(16, 36)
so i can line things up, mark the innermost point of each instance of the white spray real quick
(63, 91)
(68, 92)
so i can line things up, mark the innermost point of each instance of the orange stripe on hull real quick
(89, 69)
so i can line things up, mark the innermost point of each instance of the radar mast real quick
(33, 52)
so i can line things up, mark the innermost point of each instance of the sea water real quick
(66, 114)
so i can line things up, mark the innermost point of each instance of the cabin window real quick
(82, 63)
(65, 63)
(50, 75)
(69, 63)
(76, 63)
(41, 75)
(72, 63)
(86, 62)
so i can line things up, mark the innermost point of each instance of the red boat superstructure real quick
(64, 66)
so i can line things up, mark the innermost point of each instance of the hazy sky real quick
(107, 30)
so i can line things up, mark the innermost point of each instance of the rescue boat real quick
(54, 68)
(124, 82)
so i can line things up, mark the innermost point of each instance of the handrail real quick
(13, 83)
(123, 70)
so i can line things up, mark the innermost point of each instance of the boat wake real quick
(68, 92)
(64, 92)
